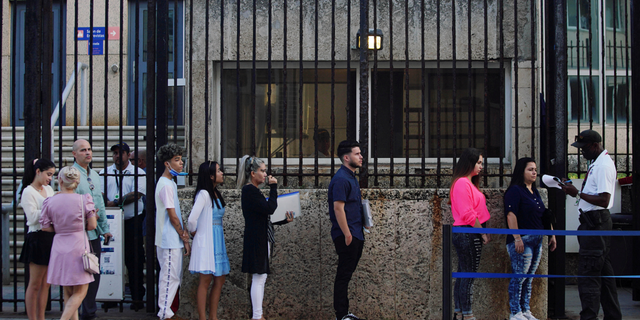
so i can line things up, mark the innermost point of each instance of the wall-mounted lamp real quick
(374, 39)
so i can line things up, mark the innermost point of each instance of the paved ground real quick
(630, 309)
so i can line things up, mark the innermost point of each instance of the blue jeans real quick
(469, 247)
(523, 263)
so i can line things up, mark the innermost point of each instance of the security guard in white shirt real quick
(594, 201)
(121, 191)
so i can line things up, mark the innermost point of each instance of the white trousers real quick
(170, 261)
(258, 281)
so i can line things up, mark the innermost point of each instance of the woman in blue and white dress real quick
(208, 253)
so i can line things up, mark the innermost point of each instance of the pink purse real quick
(90, 261)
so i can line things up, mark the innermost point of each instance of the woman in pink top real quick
(469, 209)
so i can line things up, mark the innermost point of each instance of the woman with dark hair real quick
(523, 208)
(469, 209)
(209, 253)
(37, 243)
(258, 229)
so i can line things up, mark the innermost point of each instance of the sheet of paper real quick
(550, 182)
(287, 202)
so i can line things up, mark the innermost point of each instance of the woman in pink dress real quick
(63, 214)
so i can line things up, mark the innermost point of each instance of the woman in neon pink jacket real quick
(469, 209)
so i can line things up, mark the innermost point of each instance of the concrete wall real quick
(399, 275)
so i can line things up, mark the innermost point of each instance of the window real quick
(582, 94)
(292, 112)
(618, 100)
(447, 125)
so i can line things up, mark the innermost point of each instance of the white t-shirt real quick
(167, 198)
(128, 185)
(601, 179)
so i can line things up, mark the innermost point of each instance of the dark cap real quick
(122, 146)
(586, 137)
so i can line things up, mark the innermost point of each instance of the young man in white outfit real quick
(171, 237)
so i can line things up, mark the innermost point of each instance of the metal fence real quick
(287, 80)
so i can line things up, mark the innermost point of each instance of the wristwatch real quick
(116, 201)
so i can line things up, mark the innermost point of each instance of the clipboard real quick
(287, 202)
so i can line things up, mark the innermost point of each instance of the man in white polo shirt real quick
(594, 201)
(121, 191)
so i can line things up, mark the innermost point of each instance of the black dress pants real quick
(89, 306)
(594, 261)
(134, 258)
(348, 257)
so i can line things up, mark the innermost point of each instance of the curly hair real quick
(70, 177)
(168, 151)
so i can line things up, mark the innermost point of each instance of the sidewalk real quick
(630, 309)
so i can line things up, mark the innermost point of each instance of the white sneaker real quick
(517, 316)
(527, 315)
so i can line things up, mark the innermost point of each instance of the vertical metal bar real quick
(350, 83)
(407, 107)
(269, 110)
(485, 105)
(206, 81)
(439, 96)
(223, 134)
(175, 85)
(454, 85)
(391, 97)
(446, 270)
(635, 105)
(333, 83)
(502, 98)
(62, 58)
(253, 84)
(472, 104)
(603, 74)
(300, 91)
(515, 81)
(315, 100)
(47, 78)
(375, 99)
(627, 78)
(91, 76)
(190, 88)
(285, 102)
(556, 37)
(33, 72)
(75, 65)
(534, 57)
(364, 94)
(162, 76)
(423, 89)
(614, 108)
(151, 143)
(14, 125)
(579, 68)
(238, 122)
(106, 105)
(3, 263)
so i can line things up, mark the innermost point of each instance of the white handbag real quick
(90, 261)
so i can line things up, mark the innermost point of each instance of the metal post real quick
(162, 76)
(151, 149)
(364, 92)
(47, 77)
(446, 271)
(635, 105)
(556, 34)
(33, 72)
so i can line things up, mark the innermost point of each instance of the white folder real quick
(287, 202)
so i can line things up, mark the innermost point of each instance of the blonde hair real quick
(70, 177)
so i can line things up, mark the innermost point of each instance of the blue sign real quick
(96, 48)
(99, 33)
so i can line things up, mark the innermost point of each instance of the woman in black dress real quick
(258, 229)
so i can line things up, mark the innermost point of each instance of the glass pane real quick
(143, 111)
(584, 99)
(582, 48)
(618, 100)
(171, 40)
(468, 109)
(144, 35)
(299, 122)
(618, 42)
